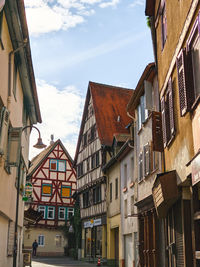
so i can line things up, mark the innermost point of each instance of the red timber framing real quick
(54, 183)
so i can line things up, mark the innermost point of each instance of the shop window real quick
(42, 210)
(70, 213)
(163, 23)
(61, 213)
(46, 190)
(41, 241)
(66, 191)
(188, 68)
(57, 165)
(167, 110)
(50, 213)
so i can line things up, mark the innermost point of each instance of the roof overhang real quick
(17, 25)
(32, 216)
(150, 7)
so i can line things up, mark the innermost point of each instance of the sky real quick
(77, 41)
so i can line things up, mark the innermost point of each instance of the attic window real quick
(57, 165)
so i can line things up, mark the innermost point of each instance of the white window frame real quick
(58, 167)
(41, 244)
(64, 211)
(42, 209)
(70, 211)
(48, 209)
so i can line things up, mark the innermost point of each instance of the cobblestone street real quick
(56, 262)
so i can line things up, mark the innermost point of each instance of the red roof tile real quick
(110, 110)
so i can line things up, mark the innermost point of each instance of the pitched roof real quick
(109, 104)
(37, 160)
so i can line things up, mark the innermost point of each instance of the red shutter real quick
(163, 121)
(157, 136)
(171, 109)
(185, 81)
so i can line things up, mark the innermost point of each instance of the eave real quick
(17, 25)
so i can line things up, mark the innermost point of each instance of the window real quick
(46, 190)
(140, 164)
(125, 208)
(167, 110)
(97, 194)
(86, 199)
(15, 69)
(132, 168)
(58, 240)
(42, 210)
(41, 241)
(188, 68)
(61, 213)
(146, 160)
(70, 213)
(66, 191)
(110, 192)
(95, 160)
(84, 140)
(142, 110)
(50, 213)
(125, 175)
(116, 188)
(93, 133)
(80, 169)
(57, 165)
(163, 24)
(88, 164)
(132, 205)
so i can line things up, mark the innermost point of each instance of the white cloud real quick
(112, 3)
(137, 3)
(44, 16)
(61, 114)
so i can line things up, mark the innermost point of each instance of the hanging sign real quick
(28, 191)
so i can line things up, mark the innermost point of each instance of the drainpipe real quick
(9, 69)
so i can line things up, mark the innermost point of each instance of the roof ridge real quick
(111, 86)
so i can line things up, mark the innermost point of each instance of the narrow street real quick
(61, 261)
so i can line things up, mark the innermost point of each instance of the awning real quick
(32, 216)
(165, 192)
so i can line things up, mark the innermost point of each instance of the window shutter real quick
(171, 109)
(185, 81)
(157, 136)
(179, 233)
(163, 121)
(148, 95)
(142, 109)
(140, 166)
(167, 118)
(146, 160)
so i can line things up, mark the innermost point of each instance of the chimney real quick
(52, 141)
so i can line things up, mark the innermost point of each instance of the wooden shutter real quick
(171, 109)
(185, 81)
(157, 136)
(178, 234)
(163, 121)
(141, 240)
(146, 160)
(140, 166)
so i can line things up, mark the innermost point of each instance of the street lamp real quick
(15, 143)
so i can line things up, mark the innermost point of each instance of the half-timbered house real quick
(104, 114)
(54, 182)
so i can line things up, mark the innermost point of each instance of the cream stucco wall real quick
(49, 248)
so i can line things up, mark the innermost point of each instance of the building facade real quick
(177, 59)
(103, 115)
(19, 108)
(54, 182)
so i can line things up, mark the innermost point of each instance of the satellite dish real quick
(2, 3)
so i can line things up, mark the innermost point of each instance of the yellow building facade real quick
(19, 108)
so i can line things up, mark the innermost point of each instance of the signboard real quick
(195, 170)
(28, 191)
(92, 223)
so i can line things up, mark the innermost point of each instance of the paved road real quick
(57, 262)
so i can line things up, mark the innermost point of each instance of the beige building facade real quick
(19, 107)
